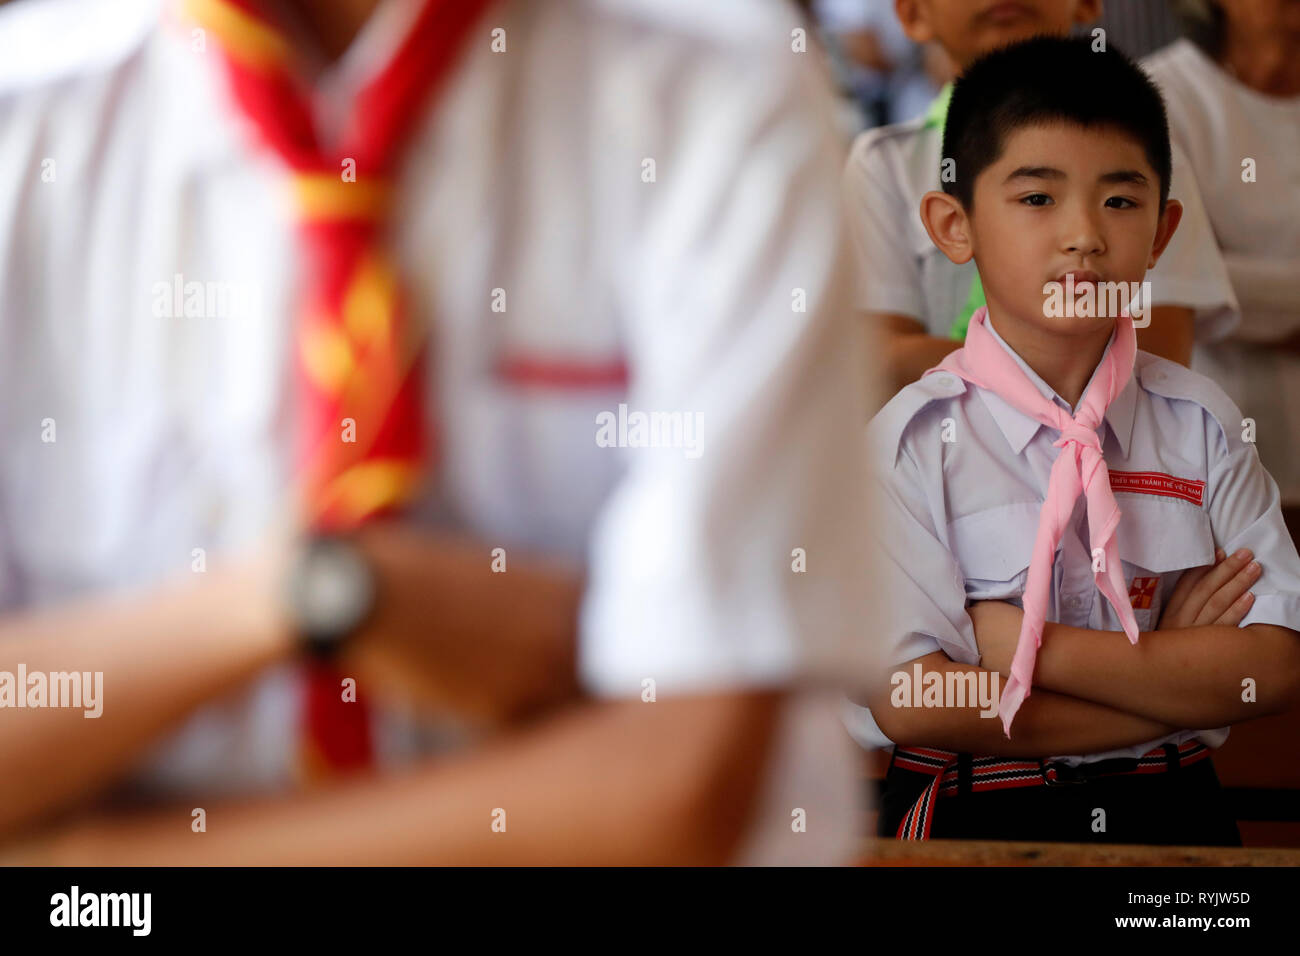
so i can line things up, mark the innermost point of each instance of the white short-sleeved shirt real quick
(1220, 124)
(899, 270)
(958, 517)
(720, 285)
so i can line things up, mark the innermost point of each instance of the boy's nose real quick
(1082, 236)
(1085, 244)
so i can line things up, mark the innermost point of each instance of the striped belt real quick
(1001, 773)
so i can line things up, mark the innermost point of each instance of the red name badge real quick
(1158, 483)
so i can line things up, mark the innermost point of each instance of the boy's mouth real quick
(1003, 13)
(1081, 277)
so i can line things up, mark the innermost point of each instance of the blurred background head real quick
(1208, 22)
(966, 29)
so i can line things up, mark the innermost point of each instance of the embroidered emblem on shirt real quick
(1158, 483)
(1142, 593)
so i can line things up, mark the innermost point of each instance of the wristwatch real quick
(330, 592)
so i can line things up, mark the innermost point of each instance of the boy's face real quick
(967, 29)
(1061, 199)
(1263, 16)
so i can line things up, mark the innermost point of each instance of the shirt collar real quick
(334, 87)
(1018, 428)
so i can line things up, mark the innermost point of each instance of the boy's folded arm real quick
(1188, 677)
(1197, 676)
(1046, 723)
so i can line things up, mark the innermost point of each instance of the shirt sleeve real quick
(887, 276)
(744, 562)
(1269, 294)
(1191, 272)
(927, 607)
(1245, 512)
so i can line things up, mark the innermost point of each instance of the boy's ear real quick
(913, 18)
(946, 222)
(1165, 229)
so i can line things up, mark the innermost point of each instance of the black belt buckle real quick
(1057, 773)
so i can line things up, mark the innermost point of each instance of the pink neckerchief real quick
(1078, 468)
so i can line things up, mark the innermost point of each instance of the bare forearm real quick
(1046, 723)
(902, 348)
(599, 784)
(161, 656)
(908, 356)
(1171, 334)
(1189, 677)
(492, 645)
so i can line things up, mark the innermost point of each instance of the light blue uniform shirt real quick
(960, 477)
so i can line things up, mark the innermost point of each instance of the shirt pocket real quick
(993, 548)
(525, 467)
(1159, 539)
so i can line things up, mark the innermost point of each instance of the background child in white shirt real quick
(1233, 99)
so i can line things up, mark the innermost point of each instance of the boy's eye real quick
(1127, 203)
(1036, 199)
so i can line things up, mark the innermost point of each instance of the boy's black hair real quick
(1043, 80)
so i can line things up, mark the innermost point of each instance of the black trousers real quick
(1182, 806)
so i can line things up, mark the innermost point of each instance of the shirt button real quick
(944, 380)
(1073, 602)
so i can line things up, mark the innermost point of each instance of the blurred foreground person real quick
(381, 376)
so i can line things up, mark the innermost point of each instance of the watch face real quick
(332, 591)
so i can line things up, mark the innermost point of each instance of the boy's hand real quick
(997, 629)
(1213, 594)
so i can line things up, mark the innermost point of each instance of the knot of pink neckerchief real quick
(1079, 468)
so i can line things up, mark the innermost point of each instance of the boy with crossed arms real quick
(1048, 487)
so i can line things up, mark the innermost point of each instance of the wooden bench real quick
(880, 851)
